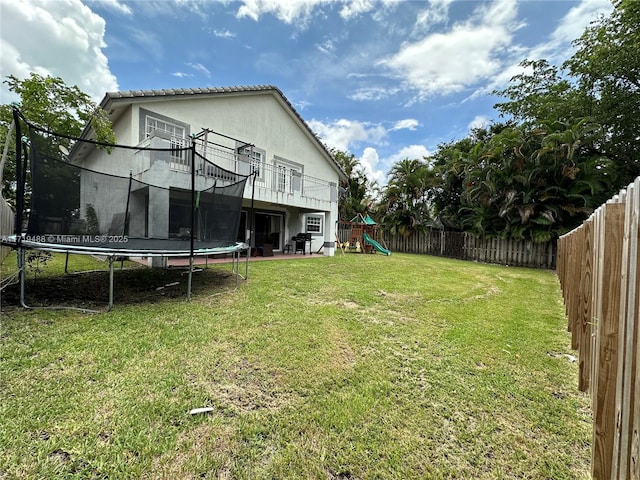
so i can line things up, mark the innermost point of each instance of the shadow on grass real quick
(90, 290)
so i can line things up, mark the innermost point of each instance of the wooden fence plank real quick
(584, 309)
(607, 357)
(634, 297)
(577, 248)
(623, 385)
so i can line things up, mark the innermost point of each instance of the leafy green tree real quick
(356, 191)
(51, 104)
(542, 94)
(607, 68)
(531, 183)
(451, 162)
(405, 206)
(599, 84)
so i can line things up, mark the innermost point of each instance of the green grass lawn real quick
(345, 367)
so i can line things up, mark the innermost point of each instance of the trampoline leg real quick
(22, 273)
(110, 283)
(246, 265)
(189, 279)
(66, 263)
(236, 265)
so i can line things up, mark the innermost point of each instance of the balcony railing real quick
(274, 178)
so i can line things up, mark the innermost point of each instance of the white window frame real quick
(176, 135)
(256, 160)
(285, 171)
(281, 183)
(313, 224)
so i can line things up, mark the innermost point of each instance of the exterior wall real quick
(123, 127)
(257, 119)
(260, 119)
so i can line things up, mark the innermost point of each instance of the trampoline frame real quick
(21, 246)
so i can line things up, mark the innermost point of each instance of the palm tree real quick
(405, 204)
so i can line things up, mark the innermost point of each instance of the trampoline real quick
(72, 197)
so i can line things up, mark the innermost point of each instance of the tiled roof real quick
(190, 91)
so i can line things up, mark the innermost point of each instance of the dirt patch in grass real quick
(210, 440)
(243, 386)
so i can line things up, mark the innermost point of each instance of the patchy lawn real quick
(350, 367)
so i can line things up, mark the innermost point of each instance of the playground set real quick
(363, 236)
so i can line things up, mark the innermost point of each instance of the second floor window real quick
(160, 128)
(256, 158)
(175, 135)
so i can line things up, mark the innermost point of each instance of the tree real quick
(405, 207)
(451, 162)
(356, 189)
(51, 104)
(607, 68)
(599, 84)
(541, 94)
(522, 182)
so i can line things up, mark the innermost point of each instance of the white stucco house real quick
(243, 130)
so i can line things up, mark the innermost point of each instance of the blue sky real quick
(384, 80)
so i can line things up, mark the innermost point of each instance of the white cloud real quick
(369, 163)
(223, 34)
(346, 134)
(437, 11)
(355, 8)
(181, 74)
(480, 121)
(406, 124)
(200, 68)
(301, 11)
(114, 5)
(61, 38)
(578, 18)
(366, 94)
(443, 63)
(412, 152)
(377, 169)
(326, 47)
(289, 11)
(556, 50)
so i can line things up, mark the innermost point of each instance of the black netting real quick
(113, 196)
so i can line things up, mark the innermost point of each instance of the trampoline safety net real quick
(146, 199)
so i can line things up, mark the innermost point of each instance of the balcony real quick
(273, 184)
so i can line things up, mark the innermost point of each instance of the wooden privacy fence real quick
(598, 271)
(520, 253)
(6, 225)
